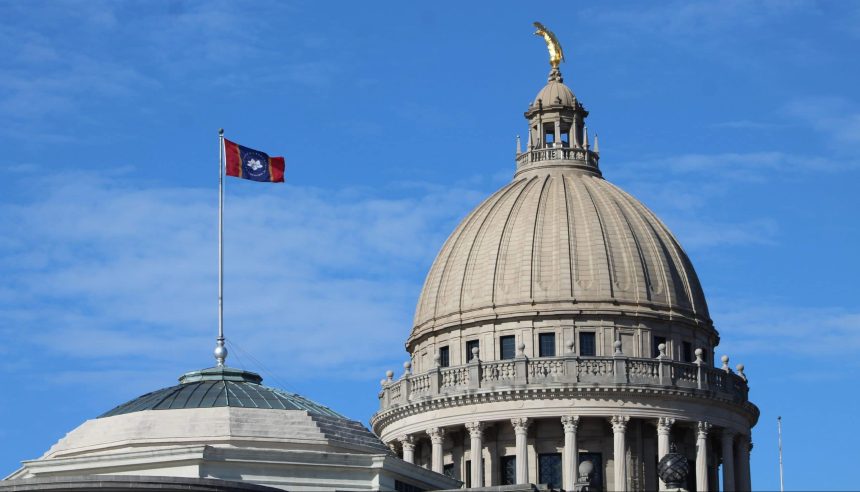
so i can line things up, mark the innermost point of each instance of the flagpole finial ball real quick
(220, 353)
(220, 131)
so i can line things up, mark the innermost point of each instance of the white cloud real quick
(316, 282)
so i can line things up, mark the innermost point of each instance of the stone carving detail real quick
(407, 441)
(521, 424)
(570, 423)
(437, 434)
(702, 429)
(664, 425)
(475, 429)
(619, 423)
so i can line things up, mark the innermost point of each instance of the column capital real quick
(407, 441)
(619, 423)
(437, 434)
(702, 429)
(664, 425)
(475, 429)
(570, 422)
(521, 424)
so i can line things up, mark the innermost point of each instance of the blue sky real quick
(737, 122)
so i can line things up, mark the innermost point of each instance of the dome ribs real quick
(480, 261)
(537, 238)
(571, 239)
(508, 238)
(618, 243)
(612, 276)
(640, 234)
(446, 255)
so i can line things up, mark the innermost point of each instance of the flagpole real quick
(779, 434)
(220, 349)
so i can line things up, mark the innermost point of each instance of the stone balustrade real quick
(585, 157)
(570, 370)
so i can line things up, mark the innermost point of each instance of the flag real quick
(246, 163)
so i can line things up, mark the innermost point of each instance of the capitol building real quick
(561, 338)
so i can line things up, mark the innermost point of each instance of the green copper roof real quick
(221, 387)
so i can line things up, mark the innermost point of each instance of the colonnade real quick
(734, 451)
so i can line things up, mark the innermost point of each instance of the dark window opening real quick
(444, 357)
(448, 470)
(507, 347)
(655, 348)
(472, 344)
(549, 469)
(687, 352)
(587, 344)
(546, 345)
(508, 470)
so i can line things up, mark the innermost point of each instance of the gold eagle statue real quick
(556, 55)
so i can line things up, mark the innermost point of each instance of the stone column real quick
(664, 428)
(407, 442)
(742, 482)
(475, 435)
(437, 435)
(728, 461)
(571, 451)
(556, 142)
(702, 456)
(521, 427)
(619, 455)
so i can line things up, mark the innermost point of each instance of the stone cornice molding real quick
(437, 435)
(626, 392)
(570, 423)
(619, 423)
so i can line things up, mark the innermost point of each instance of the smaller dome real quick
(555, 93)
(221, 387)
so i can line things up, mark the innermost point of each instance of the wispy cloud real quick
(99, 270)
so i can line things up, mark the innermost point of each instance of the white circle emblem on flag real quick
(255, 164)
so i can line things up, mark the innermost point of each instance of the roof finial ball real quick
(673, 469)
(556, 54)
(220, 352)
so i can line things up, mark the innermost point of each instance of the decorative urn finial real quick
(673, 469)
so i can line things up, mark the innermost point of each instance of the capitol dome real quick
(553, 243)
(562, 323)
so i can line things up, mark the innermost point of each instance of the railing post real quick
(619, 364)
(521, 366)
(700, 383)
(571, 362)
(386, 385)
(665, 376)
(474, 368)
(435, 381)
(405, 384)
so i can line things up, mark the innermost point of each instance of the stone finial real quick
(699, 360)
(569, 346)
(585, 137)
(407, 368)
(662, 349)
(725, 359)
(383, 382)
(521, 350)
(740, 368)
(617, 345)
(475, 351)
(519, 146)
(596, 145)
(389, 374)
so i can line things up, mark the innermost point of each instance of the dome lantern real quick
(557, 134)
